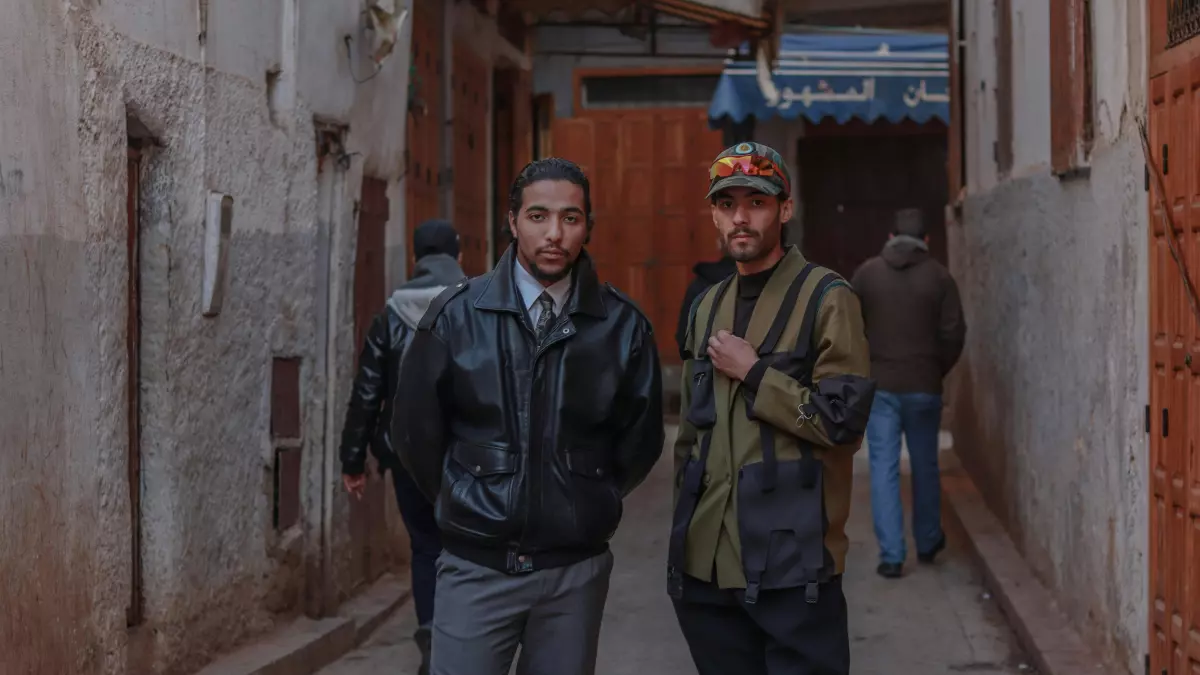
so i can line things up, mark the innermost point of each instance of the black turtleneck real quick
(750, 287)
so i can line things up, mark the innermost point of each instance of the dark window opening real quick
(649, 91)
(285, 398)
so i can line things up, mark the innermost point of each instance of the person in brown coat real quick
(915, 328)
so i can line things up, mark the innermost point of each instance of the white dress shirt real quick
(531, 289)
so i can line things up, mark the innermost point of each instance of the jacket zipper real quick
(530, 465)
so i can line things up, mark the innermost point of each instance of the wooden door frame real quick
(367, 513)
(578, 74)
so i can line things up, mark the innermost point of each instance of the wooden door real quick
(368, 527)
(855, 177)
(512, 139)
(1174, 424)
(648, 175)
(424, 163)
(684, 234)
(471, 110)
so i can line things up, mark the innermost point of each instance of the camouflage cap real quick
(776, 185)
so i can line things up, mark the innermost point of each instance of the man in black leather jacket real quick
(368, 417)
(531, 406)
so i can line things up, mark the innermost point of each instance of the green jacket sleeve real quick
(834, 411)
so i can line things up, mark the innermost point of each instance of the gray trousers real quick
(482, 615)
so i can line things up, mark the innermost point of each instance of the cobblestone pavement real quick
(937, 619)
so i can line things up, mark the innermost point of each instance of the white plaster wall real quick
(1031, 85)
(61, 359)
(215, 574)
(1120, 83)
(554, 74)
(325, 80)
(979, 70)
(1048, 399)
(244, 36)
(168, 26)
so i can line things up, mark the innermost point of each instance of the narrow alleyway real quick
(936, 620)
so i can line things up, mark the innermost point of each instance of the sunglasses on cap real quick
(748, 165)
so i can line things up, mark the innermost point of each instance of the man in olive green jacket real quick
(775, 399)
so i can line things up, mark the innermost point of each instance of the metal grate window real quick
(648, 91)
(1183, 21)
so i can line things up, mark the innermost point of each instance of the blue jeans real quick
(918, 417)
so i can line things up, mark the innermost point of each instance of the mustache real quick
(742, 232)
(553, 249)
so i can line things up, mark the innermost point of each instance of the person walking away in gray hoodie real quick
(915, 328)
(368, 416)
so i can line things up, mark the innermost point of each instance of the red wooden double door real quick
(1174, 414)
(648, 170)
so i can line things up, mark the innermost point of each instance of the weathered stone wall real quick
(1047, 402)
(215, 572)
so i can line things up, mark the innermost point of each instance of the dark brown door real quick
(471, 75)
(424, 155)
(853, 178)
(1175, 373)
(367, 522)
(512, 122)
(134, 612)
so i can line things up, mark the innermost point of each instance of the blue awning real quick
(844, 75)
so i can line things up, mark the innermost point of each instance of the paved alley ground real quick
(935, 620)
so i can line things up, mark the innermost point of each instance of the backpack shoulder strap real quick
(719, 294)
(805, 339)
(785, 311)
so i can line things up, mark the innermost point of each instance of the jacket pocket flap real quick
(590, 463)
(484, 460)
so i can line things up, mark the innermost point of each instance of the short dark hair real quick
(909, 222)
(551, 168)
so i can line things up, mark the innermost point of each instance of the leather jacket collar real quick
(500, 294)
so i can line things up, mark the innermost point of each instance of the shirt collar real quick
(531, 289)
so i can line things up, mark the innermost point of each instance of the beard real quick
(757, 247)
(550, 276)
(542, 274)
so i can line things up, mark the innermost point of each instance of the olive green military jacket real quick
(841, 357)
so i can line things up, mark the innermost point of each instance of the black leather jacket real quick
(368, 415)
(528, 450)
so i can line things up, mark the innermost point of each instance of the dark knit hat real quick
(910, 222)
(435, 236)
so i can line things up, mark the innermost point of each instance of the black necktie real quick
(547, 316)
